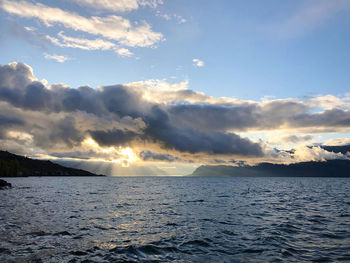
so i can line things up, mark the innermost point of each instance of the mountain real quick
(330, 168)
(12, 165)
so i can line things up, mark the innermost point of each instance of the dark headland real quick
(12, 165)
(330, 168)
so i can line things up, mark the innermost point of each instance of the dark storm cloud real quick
(66, 129)
(271, 115)
(113, 99)
(35, 96)
(8, 122)
(215, 117)
(149, 155)
(19, 88)
(241, 117)
(187, 139)
(329, 118)
(123, 101)
(113, 137)
(60, 131)
(183, 127)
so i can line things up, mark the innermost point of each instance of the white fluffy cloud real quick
(81, 43)
(112, 27)
(118, 5)
(330, 102)
(124, 52)
(58, 58)
(88, 44)
(198, 63)
(178, 18)
(112, 5)
(338, 142)
(306, 154)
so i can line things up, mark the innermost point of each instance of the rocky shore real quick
(4, 184)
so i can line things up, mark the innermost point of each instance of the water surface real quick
(179, 219)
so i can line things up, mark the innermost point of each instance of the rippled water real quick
(162, 219)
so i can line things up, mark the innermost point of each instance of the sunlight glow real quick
(129, 153)
(116, 154)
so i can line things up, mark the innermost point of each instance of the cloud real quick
(81, 43)
(135, 120)
(162, 120)
(124, 52)
(306, 154)
(118, 6)
(88, 44)
(111, 27)
(150, 3)
(163, 15)
(152, 156)
(58, 58)
(186, 139)
(16, 75)
(113, 137)
(292, 139)
(198, 63)
(180, 19)
(160, 91)
(8, 122)
(158, 129)
(278, 114)
(337, 142)
(330, 102)
(134, 100)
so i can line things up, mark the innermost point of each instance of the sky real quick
(161, 87)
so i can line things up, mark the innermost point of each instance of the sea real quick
(175, 219)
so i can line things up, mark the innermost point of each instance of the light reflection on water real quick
(163, 219)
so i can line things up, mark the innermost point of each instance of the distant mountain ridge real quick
(330, 168)
(12, 165)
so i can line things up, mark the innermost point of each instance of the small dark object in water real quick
(4, 184)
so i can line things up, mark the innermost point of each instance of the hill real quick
(330, 168)
(12, 165)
